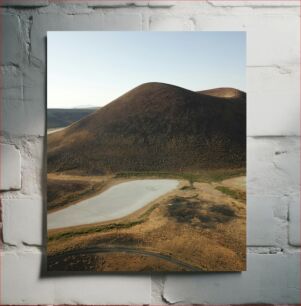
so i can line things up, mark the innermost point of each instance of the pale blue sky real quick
(94, 68)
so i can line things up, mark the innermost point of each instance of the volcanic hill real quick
(155, 127)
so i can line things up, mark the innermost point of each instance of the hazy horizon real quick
(90, 69)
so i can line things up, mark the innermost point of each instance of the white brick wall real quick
(13, 47)
(273, 79)
(23, 222)
(10, 172)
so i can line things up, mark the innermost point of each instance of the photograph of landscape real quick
(146, 151)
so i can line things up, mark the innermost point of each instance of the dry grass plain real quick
(200, 226)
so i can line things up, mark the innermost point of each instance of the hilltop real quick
(225, 93)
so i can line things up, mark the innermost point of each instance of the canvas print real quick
(146, 151)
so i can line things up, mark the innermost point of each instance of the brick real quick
(11, 84)
(115, 4)
(24, 102)
(33, 151)
(273, 165)
(118, 3)
(268, 279)
(157, 284)
(294, 220)
(24, 3)
(12, 44)
(23, 110)
(122, 22)
(34, 112)
(170, 23)
(22, 284)
(161, 3)
(269, 37)
(22, 221)
(261, 222)
(10, 167)
(250, 3)
(12, 88)
(110, 4)
(273, 95)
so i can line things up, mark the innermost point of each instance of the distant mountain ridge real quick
(62, 117)
(155, 127)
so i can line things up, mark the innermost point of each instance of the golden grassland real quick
(199, 226)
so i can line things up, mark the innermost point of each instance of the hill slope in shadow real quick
(155, 127)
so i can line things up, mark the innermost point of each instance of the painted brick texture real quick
(273, 76)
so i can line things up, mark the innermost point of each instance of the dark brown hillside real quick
(154, 127)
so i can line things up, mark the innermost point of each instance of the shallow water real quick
(116, 202)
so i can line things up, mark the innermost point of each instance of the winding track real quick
(100, 249)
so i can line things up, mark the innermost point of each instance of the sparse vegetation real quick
(92, 229)
(65, 234)
(209, 175)
(235, 194)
